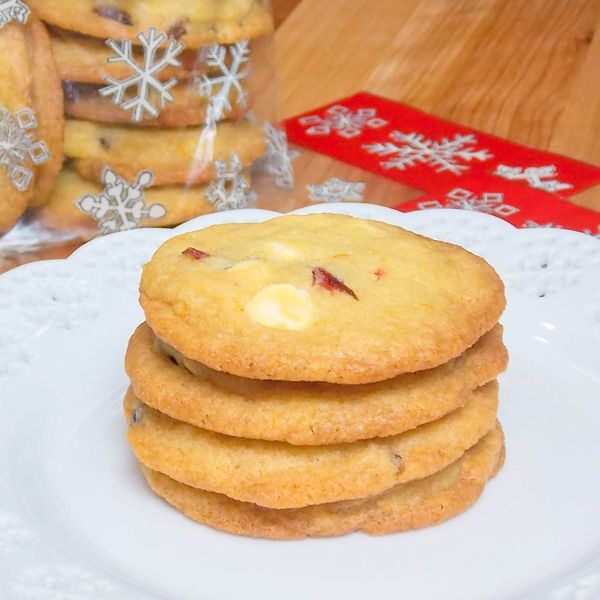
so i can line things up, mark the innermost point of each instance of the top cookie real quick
(319, 297)
(195, 24)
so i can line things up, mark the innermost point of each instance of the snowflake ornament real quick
(343, 121)
(17, 145)
(337, 190)
(541, 178)
(488, 202)
(412, 148)
(231, 189)
(120, 206)
(278, 157)
(219, 88)
(143, 78)
(13, 10)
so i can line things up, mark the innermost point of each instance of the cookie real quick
(61, 212)
(174, 156)
(84, 59)
(322, 297)
(305, 413)
(47, 99)
(15, 96)
(279, 475)
(413, 505)
(195, 24)
(82, 101)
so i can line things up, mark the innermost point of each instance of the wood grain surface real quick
(526, 70)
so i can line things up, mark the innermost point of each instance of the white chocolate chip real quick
(282, 306)
(280, 251)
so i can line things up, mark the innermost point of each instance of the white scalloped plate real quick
(77, 522)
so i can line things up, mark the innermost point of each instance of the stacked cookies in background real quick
(31, 119)
(138, 80)
(316, 375)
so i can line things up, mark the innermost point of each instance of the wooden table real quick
(527, 70)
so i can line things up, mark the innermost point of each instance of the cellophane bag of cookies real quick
(117, 114)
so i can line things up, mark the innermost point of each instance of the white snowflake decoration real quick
(488, 202)
(541, 178)
(278, 157)
(143, 77)
(13, 10)
(231, 189)
(343, 121)
(17, 145)
(445, 155)
(219, 88)
(120, 206)
(529, 223)
(336, 190)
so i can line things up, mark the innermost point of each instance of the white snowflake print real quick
(143, 78)
(529, 223)
(445, 155)
(120, 206)
(13, 10)
(278, 157)
(220, 88)
(541, 178)
(231, 189)
(336, 190)
(488, 202)
(17, 146)
(343, 121)
(593, 234)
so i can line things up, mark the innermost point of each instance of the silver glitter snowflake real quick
(343, 121)
(13, 10)
(219, 88)
(278, 157)
(412, 148)
(120, 206)
(17, 146)
(230, 190)
(487, 202)
(144, 77)
(336, 190)
(541, 178)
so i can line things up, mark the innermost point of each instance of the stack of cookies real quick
(104, 129)
(316, 375)
(31, 119)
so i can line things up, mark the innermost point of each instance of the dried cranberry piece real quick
(114, 13)
(327, 281)
(177, 29)
(195, 253)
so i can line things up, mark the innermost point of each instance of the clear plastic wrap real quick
(116, 114)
